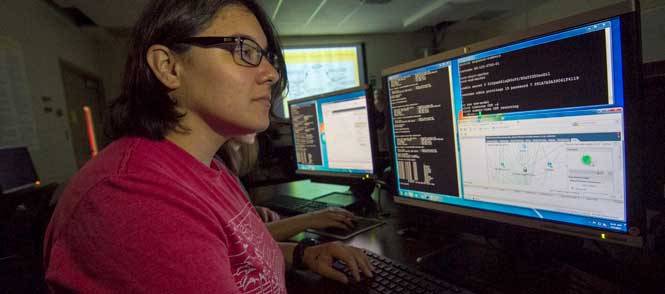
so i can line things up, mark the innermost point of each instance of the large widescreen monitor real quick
(332, 134)
(530, 129)
(314, 70)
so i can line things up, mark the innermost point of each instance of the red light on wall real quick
(91, 131)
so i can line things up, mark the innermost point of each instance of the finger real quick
(329, 272)
(363, 262)
(323, 266)
(349, 222)
(261, 213)
(273, 216)
(341, 211)
(344, 253)
(265, 216)
(345, 221)
(332, 221)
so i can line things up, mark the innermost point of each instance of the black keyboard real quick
(393, 277)
(291, 205)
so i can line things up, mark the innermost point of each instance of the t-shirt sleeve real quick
(133, 234)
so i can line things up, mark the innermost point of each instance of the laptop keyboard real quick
(292, 205)
(393, 277)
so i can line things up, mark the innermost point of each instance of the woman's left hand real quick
(331, 217)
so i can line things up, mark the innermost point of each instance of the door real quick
(83, 89)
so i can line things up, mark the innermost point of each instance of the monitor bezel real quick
(337, 177)
(628, 13)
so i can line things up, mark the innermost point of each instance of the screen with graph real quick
(314, 70)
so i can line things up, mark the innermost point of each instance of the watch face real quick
(309, 242)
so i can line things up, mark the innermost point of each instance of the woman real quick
(153, 212)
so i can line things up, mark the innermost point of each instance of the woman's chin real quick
(255, 127)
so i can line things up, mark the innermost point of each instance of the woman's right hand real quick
(330, 217)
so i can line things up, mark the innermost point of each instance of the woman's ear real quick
(164, 64)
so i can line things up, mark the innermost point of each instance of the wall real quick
(45, 38)
(113, 51)
(653, 30)
(652, 11)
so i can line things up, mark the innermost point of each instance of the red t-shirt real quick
(146, 216)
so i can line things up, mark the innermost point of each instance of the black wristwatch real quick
(299, 252)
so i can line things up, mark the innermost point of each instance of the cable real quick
(602, 249)
(9, 257)
(491, 244)
(377, 186)
(380, 185)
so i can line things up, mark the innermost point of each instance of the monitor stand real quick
(357, 199)
(362, 192)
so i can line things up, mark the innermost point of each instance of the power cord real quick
(489, 242)
(602, 249)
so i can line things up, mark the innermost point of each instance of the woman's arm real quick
(286, 228)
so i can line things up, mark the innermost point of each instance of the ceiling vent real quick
(487, 15)
(375, 1)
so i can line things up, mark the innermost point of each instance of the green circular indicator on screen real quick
(586, 159)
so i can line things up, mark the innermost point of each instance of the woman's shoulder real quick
(129, 158)
(131, 155)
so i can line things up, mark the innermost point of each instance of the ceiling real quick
(328, 17)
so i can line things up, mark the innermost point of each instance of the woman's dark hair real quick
(143, 108)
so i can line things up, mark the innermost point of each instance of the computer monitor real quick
(17, 172)
(333, 136)
(531, 129)
(318, 69)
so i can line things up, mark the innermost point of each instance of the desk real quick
(384, 240)
(496, 271)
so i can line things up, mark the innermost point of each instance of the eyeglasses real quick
(246, 52)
